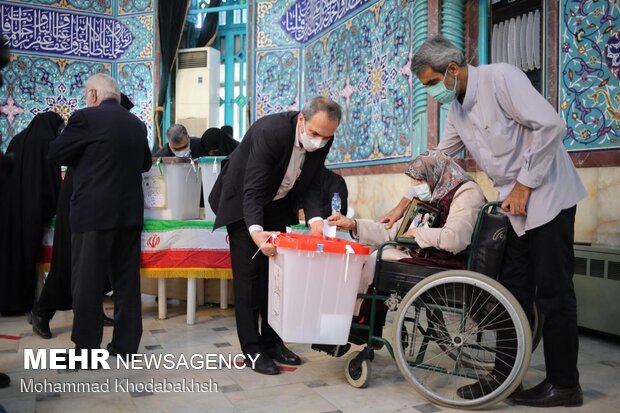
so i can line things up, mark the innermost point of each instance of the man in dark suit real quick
(278, 162)
(181, 145)
(107, 148)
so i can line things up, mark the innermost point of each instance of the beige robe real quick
(454, 236)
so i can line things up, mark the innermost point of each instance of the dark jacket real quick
(28, 196)
(107, 147)
(331, 182)
(195, 146)
(252, 174)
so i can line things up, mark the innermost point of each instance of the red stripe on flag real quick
(45, 254)
(5, 337)
(186, 259)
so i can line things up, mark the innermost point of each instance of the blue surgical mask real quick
(441, 93)
(423, 192)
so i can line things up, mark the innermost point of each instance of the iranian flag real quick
(172, 249)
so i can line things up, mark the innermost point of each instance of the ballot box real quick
(172, 189)
(210, 167)
(313, 285)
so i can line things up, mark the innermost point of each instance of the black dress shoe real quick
(114, 352)
(40, 325)
(262, 364)
(546, 394)
(4, 381)
(331, 349)
(482, 387)
(281, 354)
(107, 321)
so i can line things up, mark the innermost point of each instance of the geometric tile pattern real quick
(589, 93)
(92, 6)
(40, 78)
(277, 81)
(362, 62)
(364, 65)
(135, 6)
(269, 33)
(35, 84)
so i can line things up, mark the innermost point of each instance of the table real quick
(188, 249)
(176, 249)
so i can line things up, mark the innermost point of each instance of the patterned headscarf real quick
(440, 172)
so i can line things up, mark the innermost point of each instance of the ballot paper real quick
(329, 230)
(154, 188)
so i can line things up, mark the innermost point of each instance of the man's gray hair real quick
(437, 52)
(106, 87)
(322, 104)
(176, 133)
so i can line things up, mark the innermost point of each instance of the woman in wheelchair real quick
(441, 182)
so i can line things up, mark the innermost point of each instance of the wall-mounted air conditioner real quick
(197, 102)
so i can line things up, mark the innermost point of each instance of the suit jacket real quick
(107, 147)
(331, 182)
(252, 174)
(195, 146)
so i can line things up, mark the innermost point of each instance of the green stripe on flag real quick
(157, 225)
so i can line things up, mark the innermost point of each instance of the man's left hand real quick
(316, 228)
(517, 200)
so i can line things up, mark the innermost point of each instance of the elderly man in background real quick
(180, 144)
(107, 148)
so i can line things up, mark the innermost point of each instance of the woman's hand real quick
(410, 233)
(396, 213)
(341, 222)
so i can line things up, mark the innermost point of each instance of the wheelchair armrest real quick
(386, 244)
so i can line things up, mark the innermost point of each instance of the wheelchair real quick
(451, 327)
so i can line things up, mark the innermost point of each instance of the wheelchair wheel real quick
(476, 358)
(443, 326)
(443, 354)
(357, 370)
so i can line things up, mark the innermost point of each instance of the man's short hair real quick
(106, 87)
(176, 133)
(437, 52)
(322, 104)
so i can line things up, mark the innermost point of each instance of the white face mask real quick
(423, 192)
(183, 153)
(309, 143)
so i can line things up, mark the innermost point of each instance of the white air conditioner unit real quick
(197, 102)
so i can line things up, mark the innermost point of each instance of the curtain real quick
(171, 15)
(209, 26)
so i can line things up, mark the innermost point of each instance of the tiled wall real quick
(589, 97)
(358, 56)
(57, 44)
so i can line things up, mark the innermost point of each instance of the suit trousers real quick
(539, 265)
(251, 279)
(97, 257)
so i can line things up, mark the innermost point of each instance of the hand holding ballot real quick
(341, 222)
